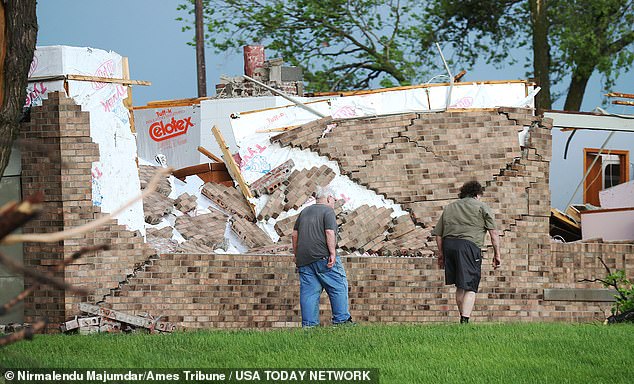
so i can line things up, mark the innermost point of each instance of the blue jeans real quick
(313, 279)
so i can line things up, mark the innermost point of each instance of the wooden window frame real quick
(624, 156)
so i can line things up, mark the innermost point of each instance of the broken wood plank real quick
(281, 129)
(232, 167)
(459, 76)
(95, 79)
(620, 94)
(406, 87)
(210, 155)
(128, 100)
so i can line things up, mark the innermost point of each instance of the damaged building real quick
(211, 247)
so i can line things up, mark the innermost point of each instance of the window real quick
(607, 169)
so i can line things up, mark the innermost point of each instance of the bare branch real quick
(73, 232)
(21, 296)
(396, 29)
(363, 26)
(607, 283)
(14, 215)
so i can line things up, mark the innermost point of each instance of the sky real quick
(147, 32)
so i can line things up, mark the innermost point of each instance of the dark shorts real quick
(463, 263)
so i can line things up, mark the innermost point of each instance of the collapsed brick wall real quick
(419, 161)
(236, 291)
(57, 153)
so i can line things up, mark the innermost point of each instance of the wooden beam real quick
(459, 76)
(405, 87)
(94, 79)
(281, 129)
(621, 102)
(232, 167)
(618, 94)
(210, 155)
(128, 100)
(172, 103)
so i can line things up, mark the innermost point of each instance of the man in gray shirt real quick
(315, 245)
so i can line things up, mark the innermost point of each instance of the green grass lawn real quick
(477, 353)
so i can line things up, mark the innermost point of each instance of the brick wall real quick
(57, 153)
(436, 153)
(419, 161)
(262, 291)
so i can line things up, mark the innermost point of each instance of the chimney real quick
(253, 59)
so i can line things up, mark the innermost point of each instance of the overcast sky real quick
(147, 33)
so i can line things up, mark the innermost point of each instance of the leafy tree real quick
(17, 44)
(569, 38)
(340, 44)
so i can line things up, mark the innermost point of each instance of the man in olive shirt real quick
(315, 245)
(460, 236)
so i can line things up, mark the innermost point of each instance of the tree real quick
(568, 38)
(17, 44)
(340, 44)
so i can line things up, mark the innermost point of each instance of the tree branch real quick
(616, 46)
(59, 236)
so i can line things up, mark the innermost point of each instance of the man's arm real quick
(294, 237)
(331, 242)
(441, 256)
(495, 240)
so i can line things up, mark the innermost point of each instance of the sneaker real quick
(347, 323)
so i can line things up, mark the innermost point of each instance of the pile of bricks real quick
(274, 205)
(301, 185)
(105, 320)
(229, 199)
(272, 73)
(284, 227)
(161, 240)
(186, 202)
(250, 233)
(196, 246)
(364, 228)
(155, 207)
(405, 238)
(146, 172)
(208, 228)
(273, 180)
(165, 232)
